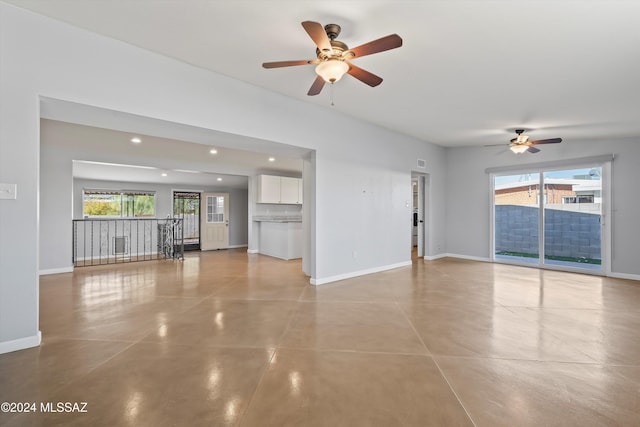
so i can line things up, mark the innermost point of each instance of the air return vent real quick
(120, 246)
(422, 163)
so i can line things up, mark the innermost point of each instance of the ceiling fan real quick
(333, 56)
(521, 143)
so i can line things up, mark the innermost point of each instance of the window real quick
(215, 209)
(578, 199)
(118, 203)
(561, 228)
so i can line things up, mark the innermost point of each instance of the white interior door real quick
(214, 227)
(421, 216)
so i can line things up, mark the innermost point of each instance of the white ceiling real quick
(108, 154)
(468, 74)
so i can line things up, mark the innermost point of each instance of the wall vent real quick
(120, 246)
(422, 163)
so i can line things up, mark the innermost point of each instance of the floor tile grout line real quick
(415, 331)
(453, 391)
(511, 359)
(255, 391)
(292, 315)
(352, 351)
(61, 387)
(437, 366)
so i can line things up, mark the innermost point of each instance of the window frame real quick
(605, 161)
(123, 200)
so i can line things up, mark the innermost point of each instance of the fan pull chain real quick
(331, 94)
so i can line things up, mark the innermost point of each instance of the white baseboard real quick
(434, 257)
(358, 273)
(21, 343)
(252, 251)
(624, 276)
(236, 246)
(56, 271)
(468, 257)
(121, 256)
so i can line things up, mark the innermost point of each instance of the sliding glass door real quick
(573, 217)
(550, 217)
(517, 217)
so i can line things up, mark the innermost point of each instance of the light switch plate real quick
(8, 191)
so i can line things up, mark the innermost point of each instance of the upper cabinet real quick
(268, 189)
(279, 189)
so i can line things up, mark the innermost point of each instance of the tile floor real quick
(226, 338)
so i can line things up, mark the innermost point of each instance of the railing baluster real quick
(168, 233)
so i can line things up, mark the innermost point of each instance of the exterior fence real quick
(191, 227)
(112, 241)
(567, 233)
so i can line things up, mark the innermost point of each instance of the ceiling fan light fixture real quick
(519, 148)
(332, 70)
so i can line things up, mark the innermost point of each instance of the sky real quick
(558, 174)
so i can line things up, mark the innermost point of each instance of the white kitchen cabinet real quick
(268, 189)
(281, 239)
(300, 191)
(289, 190)
(279, 190)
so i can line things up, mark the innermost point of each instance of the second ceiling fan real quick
(521, 143)
(333, 56)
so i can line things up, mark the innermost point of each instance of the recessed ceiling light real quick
(164, 174)
(219, 179)
(213, 151)
(272, 159)
(136, 140)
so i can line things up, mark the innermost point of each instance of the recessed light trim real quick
(136, 140)
(213, 151)
(164, 174)
(219, 179)
(272, 159)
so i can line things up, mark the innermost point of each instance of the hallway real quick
(227, 338)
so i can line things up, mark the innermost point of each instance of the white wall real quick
(467, 184)
(56, 203)
(363, 169)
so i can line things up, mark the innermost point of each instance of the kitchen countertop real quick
(263, 218)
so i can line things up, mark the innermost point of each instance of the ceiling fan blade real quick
(364, 76)
(318, 35)
(316, 87)
(278, 64)
(533, 150)
(380, 45)
(546, 141)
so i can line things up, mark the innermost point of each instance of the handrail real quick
(100, 241)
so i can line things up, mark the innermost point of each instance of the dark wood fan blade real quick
(316, 87)
(533, 150)
(380, 45)
(278, 64)
(546, 141)
(318, 35)
(364, 76)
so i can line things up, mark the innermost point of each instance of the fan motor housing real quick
(338, 48)
(332, 30)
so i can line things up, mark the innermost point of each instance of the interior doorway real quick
(418, 215)
(186, 206)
